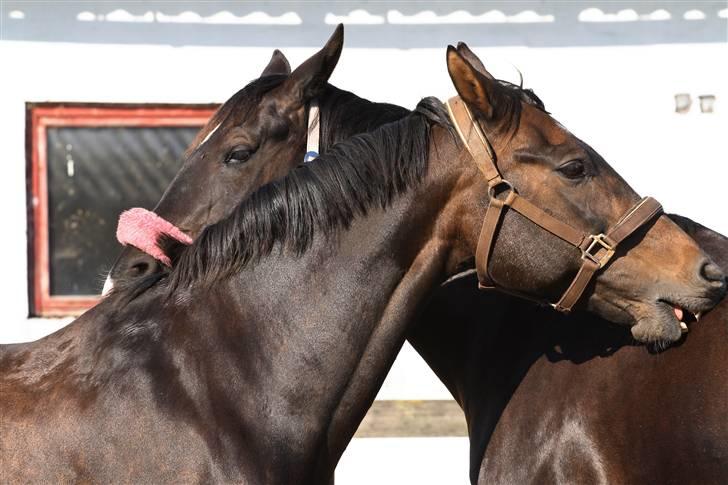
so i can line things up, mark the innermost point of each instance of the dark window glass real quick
(93, 175)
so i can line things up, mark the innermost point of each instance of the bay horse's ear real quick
(309, 79)
(278, 64)
(474, 88)
(474, 60)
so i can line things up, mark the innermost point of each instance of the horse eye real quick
(238, 156)
(573, 169)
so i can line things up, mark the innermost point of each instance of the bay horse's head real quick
(255, 137)
(657, 276)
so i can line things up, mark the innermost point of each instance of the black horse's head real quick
(255, 137)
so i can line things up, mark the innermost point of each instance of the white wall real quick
(619, 98)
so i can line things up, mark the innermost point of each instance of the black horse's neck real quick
(312, 337)
(298, 304)
(344, 114)
(350, 303)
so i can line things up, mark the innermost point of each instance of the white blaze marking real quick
(209, 135)
(108, 286)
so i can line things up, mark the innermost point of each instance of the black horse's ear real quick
(474, 88)
(474, 60)
(278, 64)
(309, 79)
(171, 247)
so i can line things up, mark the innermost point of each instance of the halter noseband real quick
(596, 250)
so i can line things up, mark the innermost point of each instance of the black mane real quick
(368, 170)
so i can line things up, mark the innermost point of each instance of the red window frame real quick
(41, 116)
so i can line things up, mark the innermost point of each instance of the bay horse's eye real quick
(240, 155)
(573, 169)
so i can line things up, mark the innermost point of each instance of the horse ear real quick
(309, 79)
(171, 247)
(473, 87)
(474, 60)
(278, 64)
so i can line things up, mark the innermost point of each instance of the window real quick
(87, 163)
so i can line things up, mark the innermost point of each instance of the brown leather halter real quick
(596, 250)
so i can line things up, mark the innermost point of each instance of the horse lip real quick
(682, 314)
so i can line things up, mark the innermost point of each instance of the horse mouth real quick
(684, 316)
(666, 321)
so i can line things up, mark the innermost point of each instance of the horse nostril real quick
(142, 268)
(712, 272)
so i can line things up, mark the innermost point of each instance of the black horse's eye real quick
(240, 155)
(573, 169)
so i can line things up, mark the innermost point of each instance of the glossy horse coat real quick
(240, 386)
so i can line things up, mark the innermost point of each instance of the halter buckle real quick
(598, 242)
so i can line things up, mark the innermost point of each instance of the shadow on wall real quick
(369, 24)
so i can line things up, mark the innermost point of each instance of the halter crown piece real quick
(596, 249)
(314, 126)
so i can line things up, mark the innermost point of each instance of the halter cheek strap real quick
(596, 250)
(314, 128)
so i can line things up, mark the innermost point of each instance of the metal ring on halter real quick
(492, 188)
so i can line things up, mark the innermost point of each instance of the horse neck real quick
(344, 114)
(482, 346)
(320, 362)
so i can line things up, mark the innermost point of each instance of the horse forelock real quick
(509, 106)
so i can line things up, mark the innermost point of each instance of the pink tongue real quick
(678, 313)
(141, 228)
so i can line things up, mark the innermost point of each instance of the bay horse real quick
(551, 399)
(242, 363)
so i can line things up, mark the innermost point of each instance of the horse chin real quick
(658, 327)
(652, 323)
